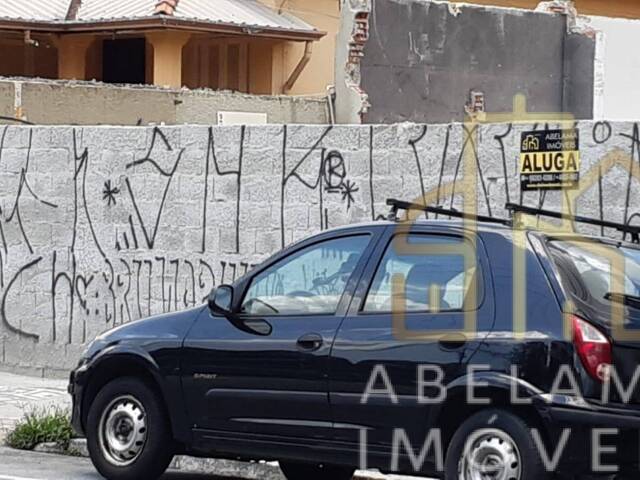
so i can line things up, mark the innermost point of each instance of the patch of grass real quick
(41, 425)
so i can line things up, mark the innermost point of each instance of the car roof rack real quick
(396, 205)
(633, 230)
(402, 205)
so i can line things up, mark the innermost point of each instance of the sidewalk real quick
(19, 394)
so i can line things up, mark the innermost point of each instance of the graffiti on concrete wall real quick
(101, 226)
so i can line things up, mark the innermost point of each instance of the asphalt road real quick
(17, 465)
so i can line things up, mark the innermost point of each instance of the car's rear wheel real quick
(307, 471)
(128, 435)
(494, 445)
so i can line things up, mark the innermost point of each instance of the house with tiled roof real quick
(251, 46)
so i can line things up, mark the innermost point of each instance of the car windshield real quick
(592, 263)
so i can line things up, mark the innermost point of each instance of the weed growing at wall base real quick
(41, 425)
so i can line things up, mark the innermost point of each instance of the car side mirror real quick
(221, 299)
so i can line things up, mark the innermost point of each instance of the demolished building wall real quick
(352, 102)
(423, 59)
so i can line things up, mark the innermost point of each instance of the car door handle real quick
(452, 342)
(310, 342)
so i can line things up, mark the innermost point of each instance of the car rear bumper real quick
(619, 427)
(568, 411)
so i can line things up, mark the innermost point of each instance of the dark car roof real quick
(439, 223)
(504, 230)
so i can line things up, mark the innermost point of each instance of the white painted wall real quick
(617, 85)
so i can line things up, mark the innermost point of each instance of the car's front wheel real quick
(128, 435)
(494, 444)
(307, 471)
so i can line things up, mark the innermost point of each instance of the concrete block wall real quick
(53, 102)
(7, 106)
(100, 226)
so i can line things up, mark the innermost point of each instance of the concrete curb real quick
(208, 466)
(50, 447)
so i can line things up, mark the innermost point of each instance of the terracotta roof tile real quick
(166, 7)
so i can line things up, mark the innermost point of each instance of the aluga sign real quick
(549, 159)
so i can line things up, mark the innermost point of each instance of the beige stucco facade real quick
(240, 62)
(605, 8)
(18, 58)
(319, 73)
(237, 62)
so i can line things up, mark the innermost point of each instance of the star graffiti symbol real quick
(109, 193)
(348, 188)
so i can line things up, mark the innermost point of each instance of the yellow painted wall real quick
(259, 65)
(12, 58)
(200, 60)
(168, 48)
(94, 59)
(319, 73)
(244, 64)
(609, 8)
(606, 8)
(73, 59)
(216, 63)
(247, 65)
(260, 68)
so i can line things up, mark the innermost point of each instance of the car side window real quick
(309, 281)
(432, 282)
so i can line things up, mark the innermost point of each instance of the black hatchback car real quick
(409, 348)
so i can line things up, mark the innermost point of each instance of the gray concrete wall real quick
(82, 103)
(423, 58)
(100, 226)
(7, 97)
(579, 75)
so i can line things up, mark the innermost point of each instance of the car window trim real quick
(590, 239)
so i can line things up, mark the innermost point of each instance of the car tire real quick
(496, 439)
(128, 434)
(305, 471)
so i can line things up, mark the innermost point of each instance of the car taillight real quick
(594, 349)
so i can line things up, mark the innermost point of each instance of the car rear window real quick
(585, 265)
